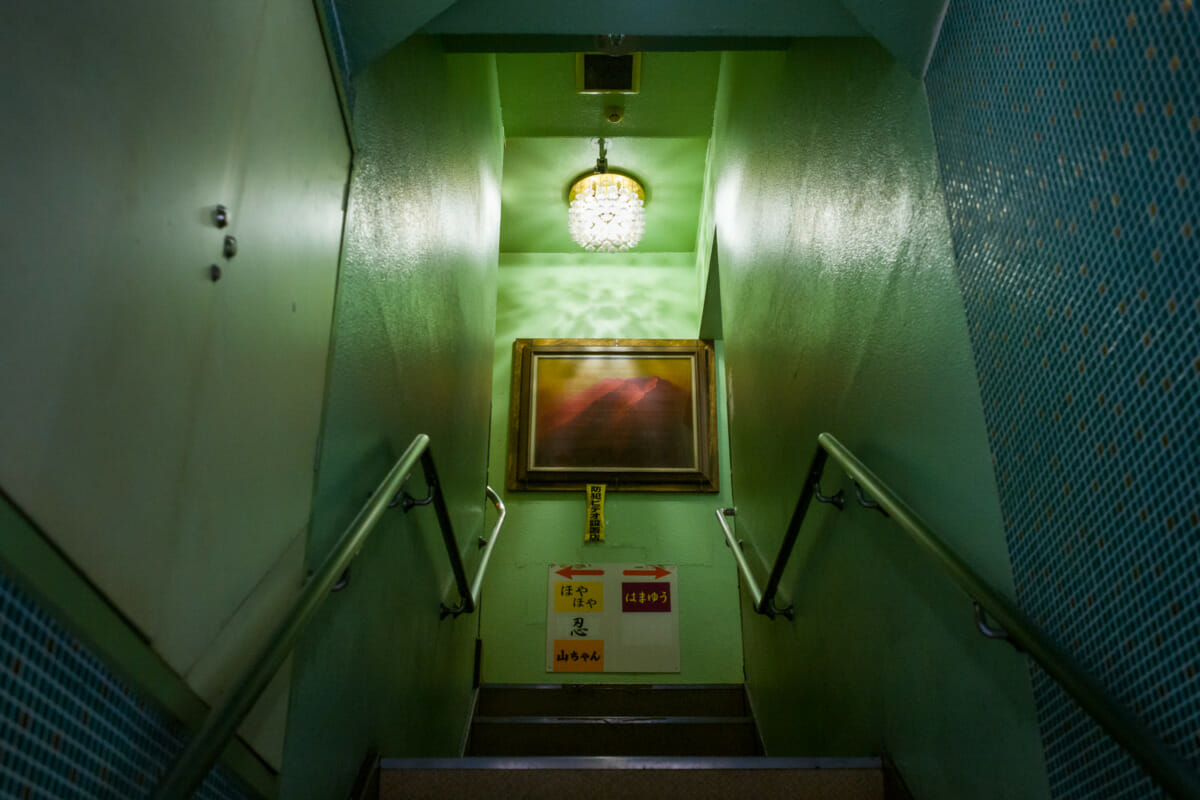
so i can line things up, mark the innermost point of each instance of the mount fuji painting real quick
(621, 412)
(635, 415)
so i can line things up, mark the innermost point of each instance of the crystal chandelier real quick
(607, 210)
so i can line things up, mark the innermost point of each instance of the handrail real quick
(735, 545)
(488, 545)
(1156, 758)
(222, 721)
(468, 593)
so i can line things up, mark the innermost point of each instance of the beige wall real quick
(158, 427)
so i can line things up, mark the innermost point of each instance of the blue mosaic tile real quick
(69, 728)
(1068, 137)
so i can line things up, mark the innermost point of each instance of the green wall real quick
(647, 295)
(412, 347)
(841, 313)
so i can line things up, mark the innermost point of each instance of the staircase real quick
(622, 741)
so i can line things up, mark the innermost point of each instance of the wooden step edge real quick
(635, 762)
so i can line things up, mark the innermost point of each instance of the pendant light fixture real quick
(607, 209)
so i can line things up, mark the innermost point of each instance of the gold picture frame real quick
(634, 414)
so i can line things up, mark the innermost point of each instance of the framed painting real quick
(635, 414)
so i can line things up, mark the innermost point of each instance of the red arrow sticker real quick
(571, 572)
(657, 572)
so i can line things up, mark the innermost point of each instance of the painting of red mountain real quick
(614, 412)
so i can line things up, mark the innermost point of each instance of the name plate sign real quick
(612, 618)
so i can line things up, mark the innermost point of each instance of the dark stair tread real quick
(614, 736)
(710, 700)
(633, 778)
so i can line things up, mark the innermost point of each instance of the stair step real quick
(667, 700)
(612, 720)
(633, 778)
(613, 736)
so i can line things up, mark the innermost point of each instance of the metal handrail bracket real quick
(1159, 761)
(219, 726)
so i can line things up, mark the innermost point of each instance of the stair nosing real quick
(637, 762)
(590, 687)
(611, 719)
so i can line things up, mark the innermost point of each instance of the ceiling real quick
(549, 131)
(365, 29)
(537, 172)
(657, 18)
(663, 138)
(537, 96)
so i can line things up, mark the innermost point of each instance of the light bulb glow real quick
(607, 212)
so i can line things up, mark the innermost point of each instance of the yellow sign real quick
(581, 597)
(594, 530)
(579, 655)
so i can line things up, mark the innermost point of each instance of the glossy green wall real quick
(646, 295)
(412, 354)
(841, 313)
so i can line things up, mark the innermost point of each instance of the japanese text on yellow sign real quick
(575, 655)
(594, 531)
(576, 597)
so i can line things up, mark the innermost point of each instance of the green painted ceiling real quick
(537, 97)
(549, 130)
(537, 172)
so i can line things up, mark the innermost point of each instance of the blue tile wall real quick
(1068, 136)
(69, 728)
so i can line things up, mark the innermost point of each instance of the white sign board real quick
(612, 618)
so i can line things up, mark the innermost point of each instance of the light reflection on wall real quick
(618, 302)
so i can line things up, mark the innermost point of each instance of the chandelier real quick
(607, 212)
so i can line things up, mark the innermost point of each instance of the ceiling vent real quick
(600, 73)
